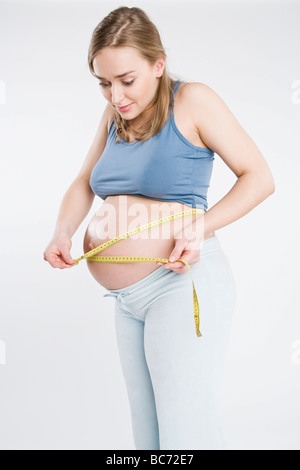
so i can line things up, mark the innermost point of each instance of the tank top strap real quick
(175, 89)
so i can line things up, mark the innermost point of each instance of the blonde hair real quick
(132, 27)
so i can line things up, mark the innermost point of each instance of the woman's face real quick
(136, 88)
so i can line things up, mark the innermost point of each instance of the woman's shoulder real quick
(189, 113)
(191, 91)
(198, 100)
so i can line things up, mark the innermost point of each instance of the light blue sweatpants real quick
(174, 378)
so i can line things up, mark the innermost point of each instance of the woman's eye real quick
(105, 85)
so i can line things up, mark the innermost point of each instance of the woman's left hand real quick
(186, 250)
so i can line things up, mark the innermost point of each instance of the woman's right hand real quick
(57, 252)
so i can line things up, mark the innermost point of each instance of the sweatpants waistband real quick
(206, 246)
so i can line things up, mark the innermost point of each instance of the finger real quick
(62, 265)
(175, 265)
(67, 258)
(179, 270)
(178, 250)
(58, 262)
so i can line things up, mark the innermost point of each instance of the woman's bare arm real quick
(222, 133)
(77, 200)
(74, 207)
(79, 197)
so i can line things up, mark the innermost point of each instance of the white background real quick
(61, 385)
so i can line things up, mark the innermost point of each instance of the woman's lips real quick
(125, 108)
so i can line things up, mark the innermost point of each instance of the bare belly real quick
(121, 213)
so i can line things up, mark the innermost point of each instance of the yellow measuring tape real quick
(134, 259)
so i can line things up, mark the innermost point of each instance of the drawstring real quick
(119, 295)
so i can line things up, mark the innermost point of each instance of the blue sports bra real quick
(166, 167)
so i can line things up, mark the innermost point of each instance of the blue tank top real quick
(166, 167)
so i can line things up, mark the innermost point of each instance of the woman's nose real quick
(117, 96)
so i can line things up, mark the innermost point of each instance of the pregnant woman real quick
(152, 158)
